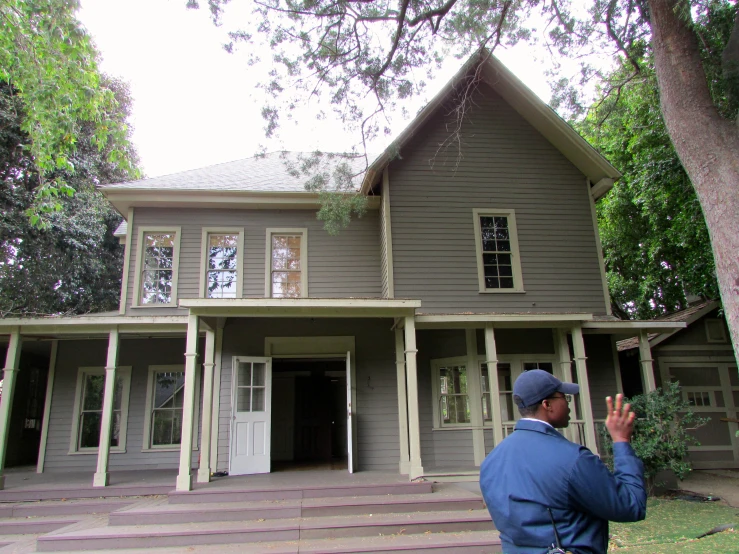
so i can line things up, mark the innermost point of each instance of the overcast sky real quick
(194, 104)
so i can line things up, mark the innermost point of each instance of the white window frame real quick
(436, 365)
(147, 446)
(125, 373)
(718, 325)
(139, 262)
(303, 232)
(477, 213)
(207, 231)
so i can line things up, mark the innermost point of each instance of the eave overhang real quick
(515, 320)
(56, 327)
(125, 198)
(301, 307)
(543, 118)
(627, 328)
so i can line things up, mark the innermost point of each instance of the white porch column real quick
(491, 355)
(578, 346)
(101, 475)
(216, 396)
(184, 481)
(47, 407)
(414, 430)
(208, 365)
(12, 358)
(474, 391)
(402, 402)
(646, 361)
(565, 368)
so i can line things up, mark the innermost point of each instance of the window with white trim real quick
(496, 243)
(221, 273)
(450, 388)
(88, 409)
(164, 407)
(287, 263)
(155, 280)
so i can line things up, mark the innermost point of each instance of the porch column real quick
(216, 396)
(414, 430)
(12, 358)
(646, 361)
(565, 368)
(402, 401)
(582, 379)
(101, 475)
(208, 365)
(47, 407)
(491, 355)
(474, 390)
(184, 481)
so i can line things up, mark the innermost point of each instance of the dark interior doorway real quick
(309, 414)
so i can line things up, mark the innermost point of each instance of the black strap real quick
(557, 542)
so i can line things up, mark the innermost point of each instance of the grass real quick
(671, 527)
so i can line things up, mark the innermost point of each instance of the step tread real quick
(179, 529)
(318, 546)
(289, 488)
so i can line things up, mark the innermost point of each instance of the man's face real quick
(559, 409)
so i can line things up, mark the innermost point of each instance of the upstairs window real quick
(496, 242)
(156, 267)
(286, 264)
(222, 263)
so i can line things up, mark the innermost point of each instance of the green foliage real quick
(661, 432)
(50, 62)
(73, 263)
(656, 245)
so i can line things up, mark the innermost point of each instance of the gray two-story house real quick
(249, 338)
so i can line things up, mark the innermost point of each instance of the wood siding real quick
(139, 354)
(376, 410)
(503, 164)
(347, 265)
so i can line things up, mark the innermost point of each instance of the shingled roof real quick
(268, 173)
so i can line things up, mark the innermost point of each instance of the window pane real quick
(455, 378)
(222, 284)
(258, 374)
(167, 385)
(90, 429)
(286, 284)
(546, 366)
(156, 279)
(257, 399)
(222, 251)
(93, 394)
(244, 374)
(115, 429)
(162, 426)
(243, 399)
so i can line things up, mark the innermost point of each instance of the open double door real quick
(251, 415)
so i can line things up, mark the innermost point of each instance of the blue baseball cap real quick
(535, 385)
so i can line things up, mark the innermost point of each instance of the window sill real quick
(166, 449)
(155, 306)
(502, 291)
(93, 451)
(462, 428)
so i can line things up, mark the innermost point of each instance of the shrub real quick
(661, 438)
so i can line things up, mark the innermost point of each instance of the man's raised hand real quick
(620, 420)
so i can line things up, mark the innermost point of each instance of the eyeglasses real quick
(567, 397)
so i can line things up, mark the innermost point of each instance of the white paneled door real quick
(251, 415)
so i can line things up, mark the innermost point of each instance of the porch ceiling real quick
(301, 307)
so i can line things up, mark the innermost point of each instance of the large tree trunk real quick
(707, 143)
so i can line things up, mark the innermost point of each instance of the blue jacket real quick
(535, 468)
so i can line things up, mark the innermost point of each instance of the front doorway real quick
(309, 419)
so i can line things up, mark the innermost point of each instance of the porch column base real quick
(184, 483)
(414, 472)
(2, 482)
(203, 475)
(100, 479)
(405, 467)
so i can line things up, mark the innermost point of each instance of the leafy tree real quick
(73, 264)
(662, 432)
(50, 62)
(348, 51)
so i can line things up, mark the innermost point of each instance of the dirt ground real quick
(723, 483)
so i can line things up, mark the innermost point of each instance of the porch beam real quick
(646, 362)
(101, 476)
(184, 479)
(578, 345)
(12, 359)
(204, 468)
(474, 390)
(565, 367)
(491, 355)
(402, 401)
(414, 430)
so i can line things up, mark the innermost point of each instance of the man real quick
(536, 471)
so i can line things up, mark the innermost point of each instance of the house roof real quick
(543, 118)
(268, 173)
(690, 314)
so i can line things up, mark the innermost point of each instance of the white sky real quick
(195, 105)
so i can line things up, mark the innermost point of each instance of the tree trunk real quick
(707, 143)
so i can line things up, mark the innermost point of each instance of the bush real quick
(661, 437)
